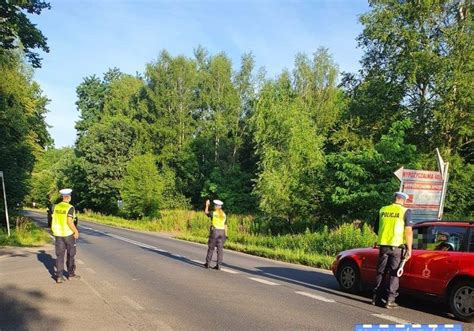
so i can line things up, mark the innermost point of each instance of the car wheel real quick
(461, 300)
(348, 277)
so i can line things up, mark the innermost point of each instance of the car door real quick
(368, 266)
(430, 269)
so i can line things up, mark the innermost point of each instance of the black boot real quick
(391, 305)
(217, 267)
(374, 299)
(206, 265)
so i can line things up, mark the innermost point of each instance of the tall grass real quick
(25, 233)
(309, 248)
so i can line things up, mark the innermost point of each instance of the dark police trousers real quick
(216, 238)
(63, 245)
(389, 260)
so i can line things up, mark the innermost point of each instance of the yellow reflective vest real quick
(218, 220)
(392, 225)
(59, 225)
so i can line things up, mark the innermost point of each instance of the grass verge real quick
(25, 234)
(280, 254)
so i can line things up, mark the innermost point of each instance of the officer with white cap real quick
(217, 233)
(65, 234)
(394, 234)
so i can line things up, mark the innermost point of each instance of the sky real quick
(88, 37)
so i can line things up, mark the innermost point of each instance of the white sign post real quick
(426, 190)
(443, 167)
(5, 199)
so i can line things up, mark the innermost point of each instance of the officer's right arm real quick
(206, 209)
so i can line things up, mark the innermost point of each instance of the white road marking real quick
(391, 318)
(263, 281)
(177, 255)
(132, 303)
(230, 271)
(92, 271)
(314, 296)
(197, 261)
(161, 250)
(137, 243)
(79, 261)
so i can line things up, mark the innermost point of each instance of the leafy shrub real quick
(25, 233)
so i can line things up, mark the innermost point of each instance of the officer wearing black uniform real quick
(394, 234)
(217, 233)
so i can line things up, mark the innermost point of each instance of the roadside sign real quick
(426, 190)
(5, 199)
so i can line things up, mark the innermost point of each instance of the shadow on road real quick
(326, 283)
(311, 279)
(174, 257)
(19, 313)
(47, 261)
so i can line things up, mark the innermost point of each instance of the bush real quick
(25, 233)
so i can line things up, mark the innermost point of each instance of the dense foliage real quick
(305, 149)
(17, 31)
(23, 129)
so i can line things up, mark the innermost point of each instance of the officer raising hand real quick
(217, 233)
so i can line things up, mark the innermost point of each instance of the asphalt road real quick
(153, 281)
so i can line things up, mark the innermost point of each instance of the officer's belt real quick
(391, 247)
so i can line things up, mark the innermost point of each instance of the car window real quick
(440, 238)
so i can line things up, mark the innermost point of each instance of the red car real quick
(441, 266)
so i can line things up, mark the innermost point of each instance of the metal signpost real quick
(426, 190)
(5, 199)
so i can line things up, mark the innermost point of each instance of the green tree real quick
(417, 64)
(103, 154)
(222, 147)
(422, 53)
(290, 152)
(52, 172)
(358, 182)
(23, 134)
(170, 94)
(91, 97)
(142, 195)
(16, 26)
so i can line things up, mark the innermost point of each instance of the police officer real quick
(65, 234)
(217, 233)
(394, 230)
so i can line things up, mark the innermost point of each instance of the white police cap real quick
(218, 202)
(402, 195)
(65, 191)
